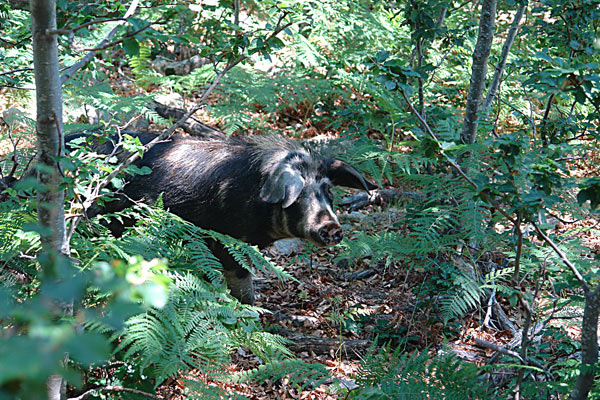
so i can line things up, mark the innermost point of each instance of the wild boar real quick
(258, 189)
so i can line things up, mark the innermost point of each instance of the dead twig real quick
(88, 57)
(15, 70)
(512, 353)
(116, 42)
(82, 26)
(117, 389)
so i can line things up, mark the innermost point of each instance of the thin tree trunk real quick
(419, 47)
(48, 122)
(56, 388)
(479, 70)
(589, 346)
(441, 17)
(50, 144)
(510, 38)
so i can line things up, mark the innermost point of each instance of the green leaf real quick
(88, 348)
(131, 47)
(382, 55)
(118, 183)
(580, 95)
(574, 44)
(390, 85)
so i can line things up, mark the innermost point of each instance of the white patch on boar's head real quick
(283, 186)
(286, 167)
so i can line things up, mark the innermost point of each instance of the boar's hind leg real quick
(239, 279)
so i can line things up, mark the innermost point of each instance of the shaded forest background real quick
(472, 272)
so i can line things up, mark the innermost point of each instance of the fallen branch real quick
(296, 320)
(503, 350)
(502, 318)
(193, 127)
(181, 68)
(118, 389)
(378, 197)
(359, 275)
(323, 345)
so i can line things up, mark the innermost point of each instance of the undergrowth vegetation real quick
(504, 227)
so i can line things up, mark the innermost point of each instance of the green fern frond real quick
(265, 345)
(384, 374)
(463, 299)
(298, 372)
(153, 116)
(15, 241)
(197, 328)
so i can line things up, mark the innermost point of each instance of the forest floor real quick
(334, 310)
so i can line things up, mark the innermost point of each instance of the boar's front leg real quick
(238, 278)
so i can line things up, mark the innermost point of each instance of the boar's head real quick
(301, 183)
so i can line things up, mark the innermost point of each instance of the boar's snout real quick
(331, 233)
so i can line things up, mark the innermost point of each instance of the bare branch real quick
(512, 353)
(236, 12)
(131, 34)
(15, 70)
(17, 87)
(73, 30)
(453, 164)
(88, 57)
(563, 257)
(510, 37)
(529, 314)
(519, 248)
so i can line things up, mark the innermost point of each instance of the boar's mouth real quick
(328, 234)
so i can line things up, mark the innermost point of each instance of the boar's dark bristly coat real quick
(258, 190)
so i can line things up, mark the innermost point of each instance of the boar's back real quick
(212, 184)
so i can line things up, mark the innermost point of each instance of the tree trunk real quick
(479, 70)
(589, 346)
(50, 144)
(56, 388)
(48, 124)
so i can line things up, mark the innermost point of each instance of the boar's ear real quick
(342, 174)
(282, 186)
